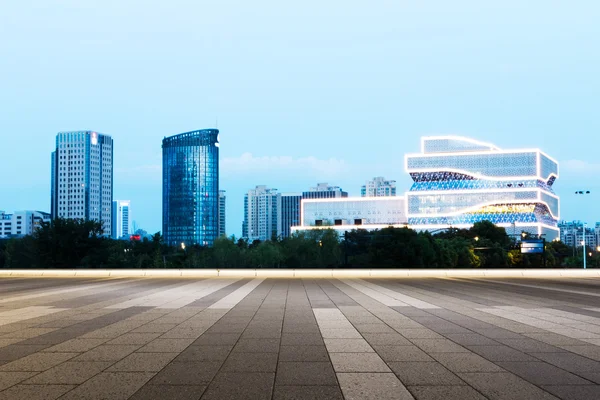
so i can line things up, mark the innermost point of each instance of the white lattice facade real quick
(459, 181)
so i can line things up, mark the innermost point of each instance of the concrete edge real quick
(303, 273)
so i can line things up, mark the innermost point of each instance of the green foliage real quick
(80, 244)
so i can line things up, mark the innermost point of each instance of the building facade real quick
(288, 210)
(222, 213)
(572, 234)
(345, 214)
(191, 187)
(324, 191)
(82, 177)
(459, 181)
(260, 214)
(121, 219)
(21, 223)
(378, 187)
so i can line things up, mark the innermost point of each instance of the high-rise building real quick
(571, 234)
(288, 213)
(82, 177)
(378, 187)
(121, 219)
(260, 214)
(21, 223)
(459, 181)
(222, 213)
(324, 191)
(191, 187)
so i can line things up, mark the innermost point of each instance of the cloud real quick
(248, 164)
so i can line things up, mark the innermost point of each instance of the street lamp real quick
(182, 246)
(583, 192)
(477, 238)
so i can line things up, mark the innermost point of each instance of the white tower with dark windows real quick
(82, 177)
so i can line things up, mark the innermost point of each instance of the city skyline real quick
(341, 102)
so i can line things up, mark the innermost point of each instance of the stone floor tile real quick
(570, 392)
(35, 392)
(402, 353)
(8, 379)
(500, 353)
(373, 328)
(301, 339)
(418, 333)
(75, 346)
(143, 362)
(38, 362)
(109, 385)
(372, 386)
(204, 353)
(428, 373)
(303, 353)
(250, 362)
(169, 392)
(348, 346)
(504, 386)
(188, 373)
(69, 373)
(305, 374)
(541, 373)
(386, 339)
(307, 393)
(358, 362)
(107, 353)
(215, 339)
(439, 346)
(257, 346)
(466, 362)
(445, 393)
(240, 385)
(341, 333)
(528, 345)
(472, 339)
(16, 351)
(166, 345)
(135, 338)
(569, 361)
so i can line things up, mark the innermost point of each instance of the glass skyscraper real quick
(459, 181)
(191, 187)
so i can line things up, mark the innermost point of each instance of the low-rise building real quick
(21, 223)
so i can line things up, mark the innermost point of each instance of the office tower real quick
(378, 187)
(260, 214)
(222, 215)
(82, 177)
(121, 219)
(571, 234)
(191, 187)
(459, 181)
(21, 223)
(288, 213)
(324, 191)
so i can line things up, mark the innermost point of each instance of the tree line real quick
(69, 243)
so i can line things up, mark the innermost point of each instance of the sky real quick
(303, 92)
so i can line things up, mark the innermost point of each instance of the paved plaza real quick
(462, 337)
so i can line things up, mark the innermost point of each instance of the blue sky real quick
(303, 92)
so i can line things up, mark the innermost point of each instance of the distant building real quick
(260, 214)
(288, 210)
(82, 177)
(191, 188)
(378, 187)
(459, 181)
(121, 219)
(324, 191)
(345, 214)
(21, 223)
(222, 213)
(571, 234)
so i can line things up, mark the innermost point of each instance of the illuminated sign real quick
(535, 246)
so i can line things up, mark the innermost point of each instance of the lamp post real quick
(583, 192)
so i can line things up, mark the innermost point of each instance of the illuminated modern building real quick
(378, 187)
(222, 214)
(21, 223)
(121, 219)
(460, 181)
(82, 177)
(191, 187)
(260, 214)
(288, 213)
(571, 234)
(345, 214)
